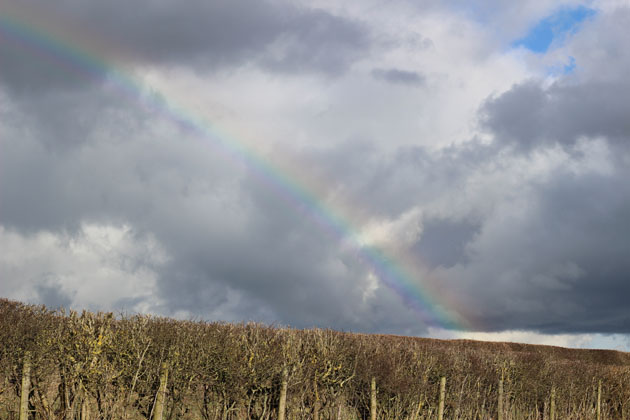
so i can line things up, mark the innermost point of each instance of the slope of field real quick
(56, 365)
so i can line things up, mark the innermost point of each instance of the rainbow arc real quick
(397, 271)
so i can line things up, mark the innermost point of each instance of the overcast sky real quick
(248, 160)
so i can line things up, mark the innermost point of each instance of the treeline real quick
(58, 365)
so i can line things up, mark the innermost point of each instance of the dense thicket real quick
(91, 366)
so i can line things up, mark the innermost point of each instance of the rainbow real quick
(61, 48)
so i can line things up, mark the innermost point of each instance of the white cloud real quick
(529, 337)
(99, 267)
(619, 342)
(455, 56)
(399, 233)
(239, 249)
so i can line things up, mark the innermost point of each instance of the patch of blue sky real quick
(555, 27)
(562, 69)
(570, 66)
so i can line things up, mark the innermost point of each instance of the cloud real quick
(552, 253)
(52, 295)
(506, 185)
(92, 268)
(396, 76)
(443, 242)
(205, 35)
(551, 261)
(316, 41)
(530, 115)
(232, 249)
(562, 340)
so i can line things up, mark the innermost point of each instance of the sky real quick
(446, 169)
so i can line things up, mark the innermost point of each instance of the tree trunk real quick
(158, 407)
(282, 406)
(41, 396)
(317, 404)
(25, 390)
(442, 395)
(599, 400)
(500, 401)
(373, 399)
(85, 408)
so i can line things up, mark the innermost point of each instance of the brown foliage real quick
(109, 367)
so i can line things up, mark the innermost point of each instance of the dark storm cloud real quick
(27, 70)
(443, 242)
(393, 181)
(397, 76)
(548, 254)
(591, 217)
(551, 258)
(528, 115)
(236, 248)
(220, 33)
(561, 266)
(204, 35)
(317, 42)
(51, 175)
(68, 118)
(558, 260)
(283, 267)
(521, 251)
(50, 293)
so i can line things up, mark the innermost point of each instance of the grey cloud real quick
(554, 257)
(25, 70)
(520, 251)
(599, 47)
(390, 182)
(553, 262)
(285, 268)
(397, 76)
(528, 115)
(237, 250)
(589, 103)
(61, 119)
(50, 293)
(590, 214)
(550, 257)
(317, 42)
(199, 34)
(50, 173)
(443, 242)
(560, 267)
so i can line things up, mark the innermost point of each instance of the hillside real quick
(95, 365)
